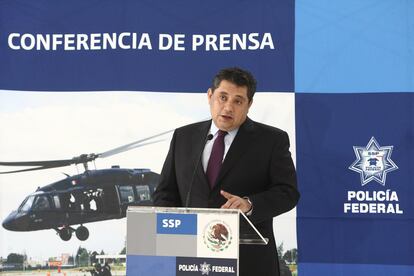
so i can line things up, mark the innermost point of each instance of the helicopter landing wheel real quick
(65, 233)
(82, 233)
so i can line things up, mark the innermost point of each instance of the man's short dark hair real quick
(237, 76)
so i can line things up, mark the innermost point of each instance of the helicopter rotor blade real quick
(116, 151)
(133, 145)
(83, 158)
(45, 163)
(48, 164)
(31, 169)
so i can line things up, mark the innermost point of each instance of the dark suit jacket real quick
(258, 165)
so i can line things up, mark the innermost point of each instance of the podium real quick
(165, 241)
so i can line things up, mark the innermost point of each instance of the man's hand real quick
(235, 202)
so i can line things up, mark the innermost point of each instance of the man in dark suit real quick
(255, 172)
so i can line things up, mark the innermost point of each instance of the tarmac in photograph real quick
(56, 273)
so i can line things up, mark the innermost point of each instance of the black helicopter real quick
(94, 195)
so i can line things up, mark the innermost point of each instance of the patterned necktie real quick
(216, 158)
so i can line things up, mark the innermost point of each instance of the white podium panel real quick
(182, 241)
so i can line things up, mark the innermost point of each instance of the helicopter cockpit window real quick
(127, 194)
(143, 192)
(27, 204)
(56, 201)
(41, 203)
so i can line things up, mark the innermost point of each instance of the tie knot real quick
(221, 133)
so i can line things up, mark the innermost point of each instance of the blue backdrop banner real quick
(143, 45)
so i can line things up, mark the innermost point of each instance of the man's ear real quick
(209, 94)
(250, 103)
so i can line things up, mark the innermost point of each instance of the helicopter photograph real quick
(94, 195)
(52, 202)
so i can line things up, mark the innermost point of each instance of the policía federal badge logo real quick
(373, 162)
(205, 268)
(217, 236)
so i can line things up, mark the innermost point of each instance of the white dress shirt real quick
(228, 139)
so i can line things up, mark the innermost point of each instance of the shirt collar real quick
(214, 129)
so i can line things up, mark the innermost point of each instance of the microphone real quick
(187, 200)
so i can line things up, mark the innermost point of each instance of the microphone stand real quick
(187, 200)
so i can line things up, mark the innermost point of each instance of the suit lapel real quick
(239, 146)
(199, 140)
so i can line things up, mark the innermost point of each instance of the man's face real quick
(229, 105)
